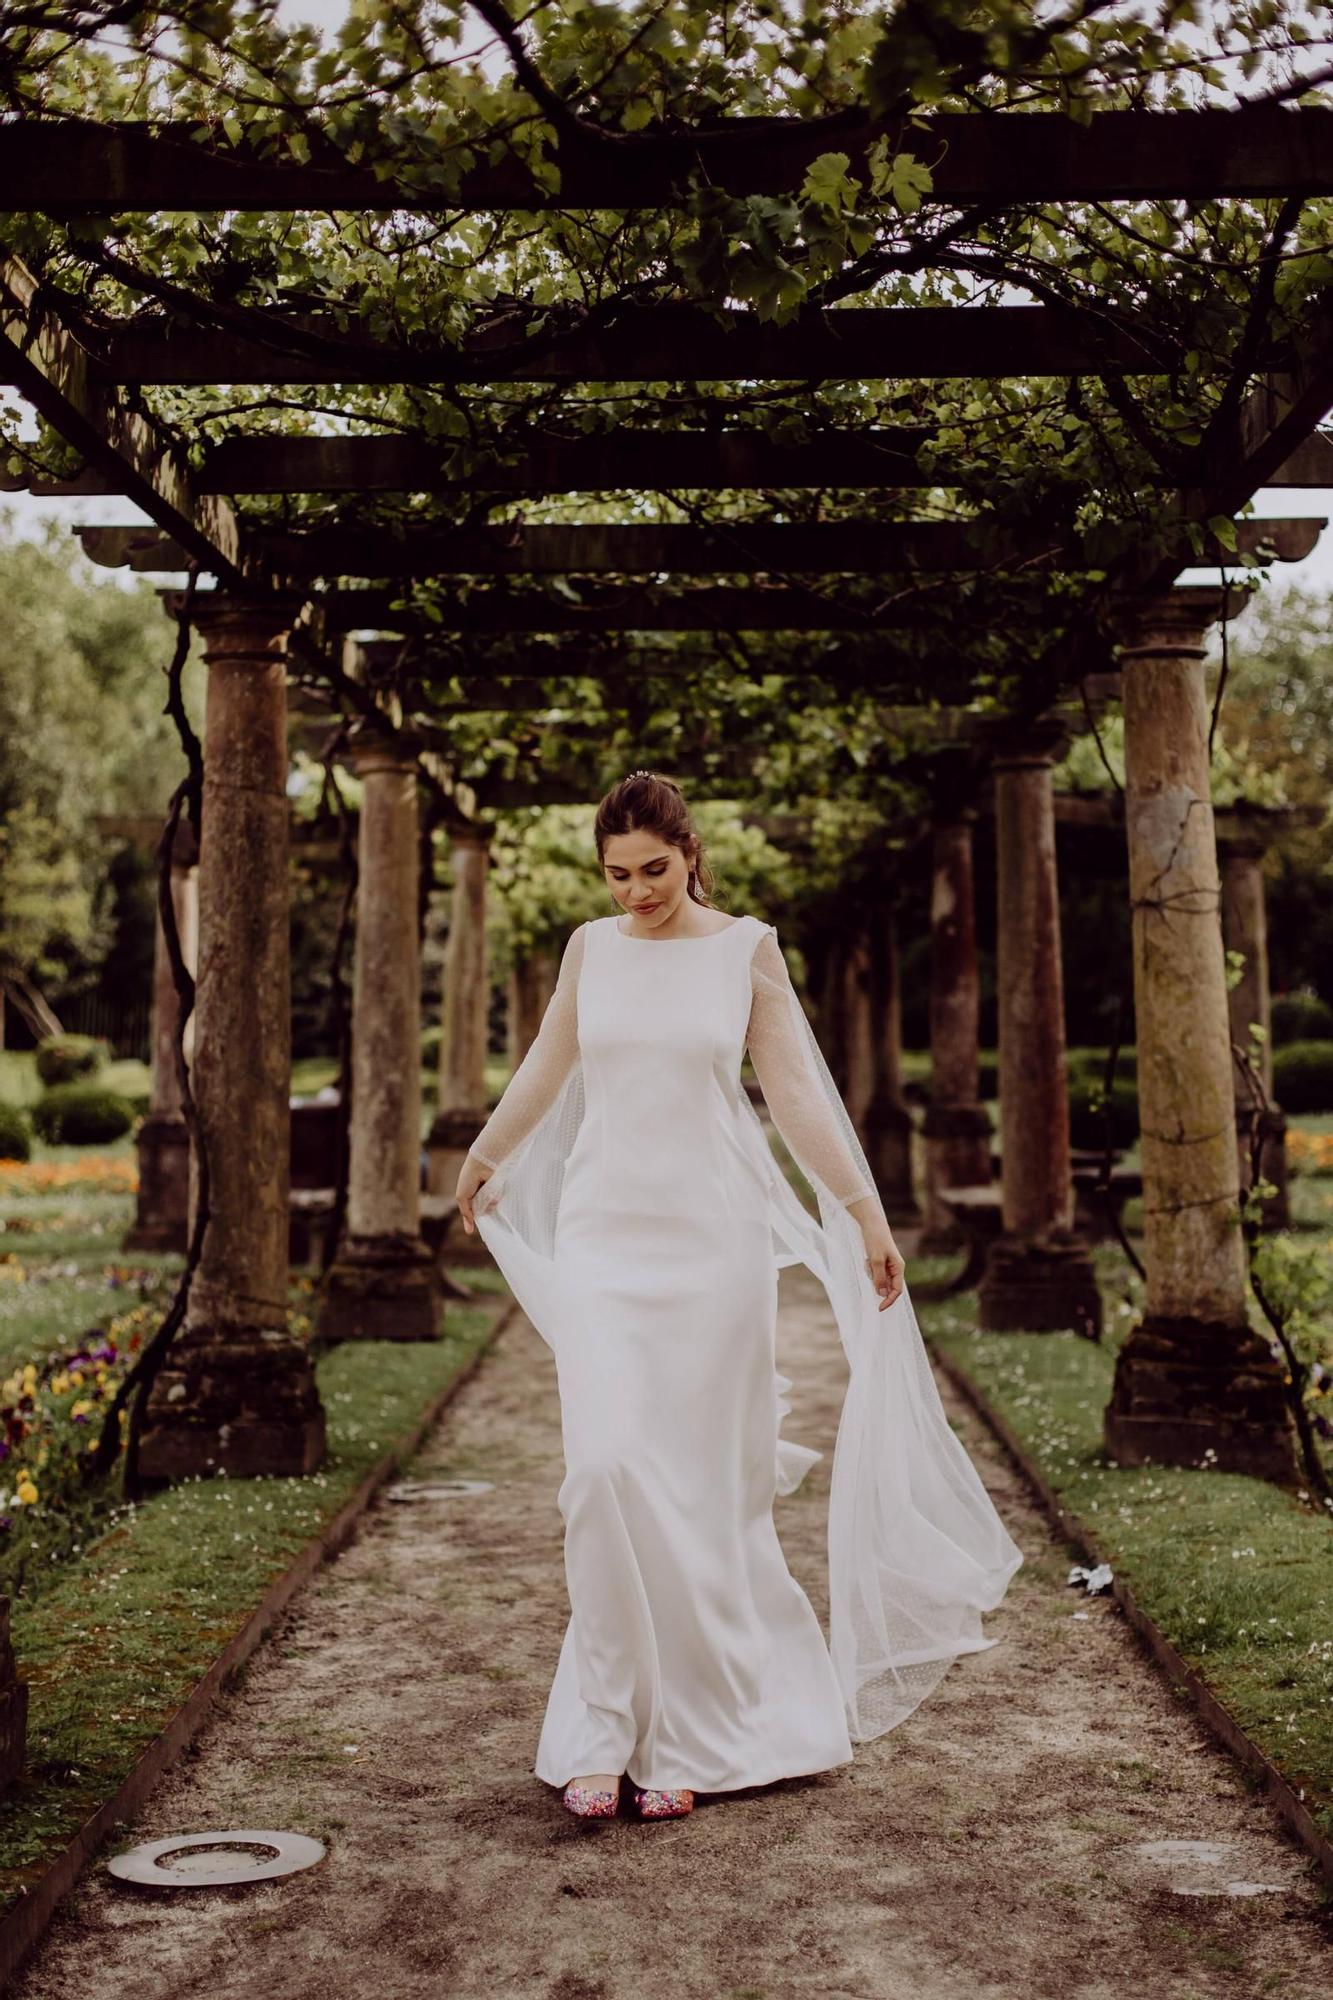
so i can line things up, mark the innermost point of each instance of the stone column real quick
(1039, 1275)
(1241, 848)
(462, 1100)
(887, 1120)
(383, 1284)
(1193, 1383)
(527, 996)
(957, 1125)
(13, 1707)
(162, 1207)
(237, 1393)
(859, 1031)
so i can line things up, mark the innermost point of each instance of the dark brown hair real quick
(647, 803)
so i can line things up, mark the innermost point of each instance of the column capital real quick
(1016, 743)
(368, 749)
(1172, 621)
(1245, 829)
(471, 832)
(243, 631)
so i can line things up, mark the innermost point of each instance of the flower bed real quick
(109, 1173)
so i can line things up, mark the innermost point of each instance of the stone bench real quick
(979, 1214)
(1091, 1218)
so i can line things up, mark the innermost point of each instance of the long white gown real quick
(639, 1216)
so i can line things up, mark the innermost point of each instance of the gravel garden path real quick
(1000, 1845)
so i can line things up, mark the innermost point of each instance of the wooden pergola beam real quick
(496, 610)
(624, 460)
(825, 548)
(44, 361)
(73, 167)
(630, 460)
(667, 343)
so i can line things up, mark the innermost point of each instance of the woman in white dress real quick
(627, 1191)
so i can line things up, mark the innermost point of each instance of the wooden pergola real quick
(929, 592)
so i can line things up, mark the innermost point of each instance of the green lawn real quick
(113, 1639)
(1237, 1573)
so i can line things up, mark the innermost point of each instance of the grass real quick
(112, 1641)
(1236, 1572)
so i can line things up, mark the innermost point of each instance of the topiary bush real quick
(81, 1114)
(15, 1138)
(1303, 1076)
(66, 1058)
(1087, 1116)
(1301, 1017)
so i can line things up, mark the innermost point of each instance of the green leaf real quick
(1223, 529)
(827, 183)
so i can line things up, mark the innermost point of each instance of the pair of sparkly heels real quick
(591, 1802)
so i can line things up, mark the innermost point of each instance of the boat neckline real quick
(705, 937)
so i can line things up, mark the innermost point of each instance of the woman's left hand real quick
(884, 1261)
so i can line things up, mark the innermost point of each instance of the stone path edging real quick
(22, 1926)
(1211, 1711)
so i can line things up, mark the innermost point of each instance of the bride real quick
(627, 1191)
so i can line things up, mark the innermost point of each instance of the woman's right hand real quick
(472, 1176)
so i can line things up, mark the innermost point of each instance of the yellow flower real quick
(25, 1492)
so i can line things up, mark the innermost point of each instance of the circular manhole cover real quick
(405, 1490)
(215, 1860)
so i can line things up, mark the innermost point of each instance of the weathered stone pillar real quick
(13, 1707)
(528, 991)
(1193, 1383)
(383, 1284)
(957, 1125)
(237, 1393)
(887, 1121)
(859, 1031)
(162, 1206)
(462, 1101)
(1241, 846)
(1039, 1274)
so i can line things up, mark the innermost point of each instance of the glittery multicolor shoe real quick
(663, 1805)
(590, 1801)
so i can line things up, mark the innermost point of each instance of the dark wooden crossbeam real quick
(495, 610)
(73, 167)
(825, 548)
(625, 461)
(669, 343)
(631, 459)
(40, 358)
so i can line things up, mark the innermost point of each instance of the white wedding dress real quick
(640, 1218)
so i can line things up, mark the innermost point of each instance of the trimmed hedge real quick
(1303, 1076)
(81, 1114)
(1301, 1017)
(1087, 1114)
(67, 1058)
(15, 1137)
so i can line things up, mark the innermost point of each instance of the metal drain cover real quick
(405, 1490)
(215, 1860)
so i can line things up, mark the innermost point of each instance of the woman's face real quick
(646, 874)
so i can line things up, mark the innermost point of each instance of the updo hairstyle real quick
(645, 802)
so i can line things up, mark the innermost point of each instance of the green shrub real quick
(1301, 1017)
(81, 1114)
(15, 1138)
(66, 1058)
(1303, 1076)
(1087, 1116)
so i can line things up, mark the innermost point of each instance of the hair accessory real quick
(641, 773)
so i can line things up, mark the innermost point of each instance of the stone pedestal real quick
(1191, 1380)
(886, 1121)
(162, 1205)
(1039, 1274)
(956, 1128)
(13, 1707)
(462, 1097)
(237, 1393)
(383, 1283)
(1241, 843)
